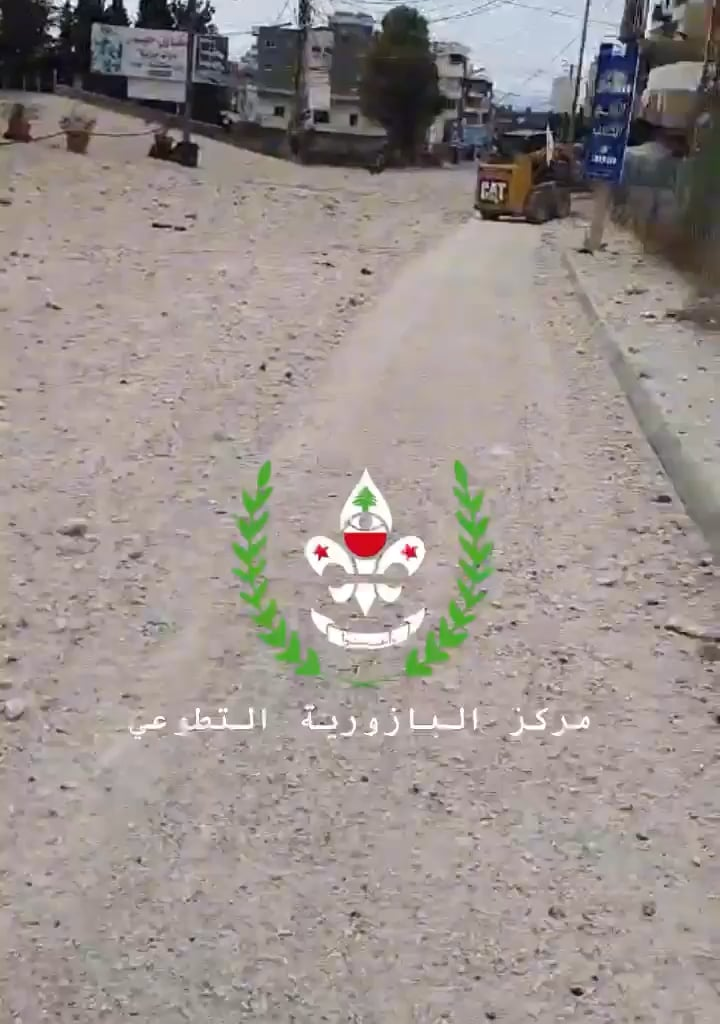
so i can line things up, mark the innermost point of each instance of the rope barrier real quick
(102, 135)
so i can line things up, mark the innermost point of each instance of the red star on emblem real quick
(409, 552)
(321, 552)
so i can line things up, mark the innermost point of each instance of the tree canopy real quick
(24, 30)
(154, 14)
(399, 87)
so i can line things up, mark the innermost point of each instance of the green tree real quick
(24, 34)
(204, 24)
(86, 13)
(154, 14)
(64, 48)
(116, 13)
(399, 86)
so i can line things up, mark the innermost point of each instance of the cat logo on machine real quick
(493, 191)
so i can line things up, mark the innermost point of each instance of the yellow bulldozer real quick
(518, 180)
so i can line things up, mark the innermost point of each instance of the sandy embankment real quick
(130, 351)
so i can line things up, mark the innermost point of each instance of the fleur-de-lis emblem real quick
(365, 523)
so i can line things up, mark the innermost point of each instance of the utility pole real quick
(191, 37)
(301, 91)
(709, 86)
(578, 73)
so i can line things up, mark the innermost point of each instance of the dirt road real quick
(286, 876)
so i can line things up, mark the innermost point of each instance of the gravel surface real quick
(287, 876)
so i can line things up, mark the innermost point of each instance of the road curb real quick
(693, 482)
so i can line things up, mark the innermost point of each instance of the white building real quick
(680, 19)
(465, 88)
(561, 94)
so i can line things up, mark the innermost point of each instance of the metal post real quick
(191, 37)
(461, 107)
(301, 102)
(578, 72)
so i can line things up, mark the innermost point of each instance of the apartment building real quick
(465, 89)
(682, 20)
(334, 59)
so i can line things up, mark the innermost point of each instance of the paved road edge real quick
(693, 482)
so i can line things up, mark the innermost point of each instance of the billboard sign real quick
(211, 60)
(156, 54)
(612, 104)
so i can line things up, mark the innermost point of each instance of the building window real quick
(270, 44)
(353, 120)
(278, 111)
(456, 58)
(321, 117)
(267, 67)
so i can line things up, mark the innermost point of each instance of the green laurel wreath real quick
(273, 629)
(452, 634)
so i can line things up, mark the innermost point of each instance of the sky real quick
(523, 44)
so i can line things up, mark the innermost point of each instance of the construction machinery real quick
(518, 179)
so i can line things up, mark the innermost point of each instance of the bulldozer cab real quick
(511, 145)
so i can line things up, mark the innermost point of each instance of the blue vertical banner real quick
(617, 69)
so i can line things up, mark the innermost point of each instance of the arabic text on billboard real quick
(155, 54)
(138, 52)
(211, 59)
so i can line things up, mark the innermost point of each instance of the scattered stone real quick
(220, 435)
(14, 708)
(556, 912)
(607, 581)
(635, 289)
(52, 305)
(366, 271)
(74, 528)
(5, 202)
(710, 652)
(642, 836)
(648, 908)
(663, 499)
(288, 375)
(577, 990)
(263, 367)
